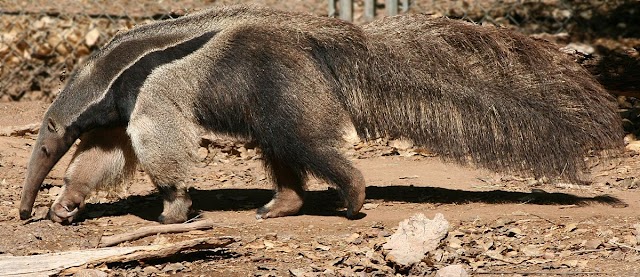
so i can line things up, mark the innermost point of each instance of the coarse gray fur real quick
(291, 82)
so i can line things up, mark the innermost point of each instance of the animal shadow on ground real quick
(328, 203)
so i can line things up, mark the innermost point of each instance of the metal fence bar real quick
(332, 8)
(405, 6)
(369, 10)
(346, 10)
(392, 7)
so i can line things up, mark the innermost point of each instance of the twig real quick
(503, 260)
(545, 219)
(592, 250)
(100, 239)
(153, 230)
(197, 217)
(538, 272)
(624, 246)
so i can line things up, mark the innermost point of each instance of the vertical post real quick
(369, 10)
(405, 6)
(346, 10)
(332, 8)
(392, 7)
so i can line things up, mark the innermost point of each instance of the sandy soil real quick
(500, 224)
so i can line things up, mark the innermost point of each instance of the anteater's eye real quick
(45, 150)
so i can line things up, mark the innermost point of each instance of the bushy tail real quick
(482, 96)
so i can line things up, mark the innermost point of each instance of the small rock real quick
(627, 182)
(401, 144)
(271, 236)
(455, 243)
(514, 232)
(92, 37)
(501, 222)
(268, 244)
(55, 191)
(593, 244)
(370, 206)
(580, 47)
(265, 267)
(570, 227)
(511, 254)
(634, 146)
(570, 263)
(532, 251)
(631, 240)
(90, 273)
(414, 238)
(565, 185)
(533, 183)
(565, 253)
(322, 247)
(149, 270)
(353, 237)
(172, 268)
(297, 272)
(452, 271)
(329, 272)
(202, 154)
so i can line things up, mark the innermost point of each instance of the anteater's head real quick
(54, 140)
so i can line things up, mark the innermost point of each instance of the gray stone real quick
(452, 271)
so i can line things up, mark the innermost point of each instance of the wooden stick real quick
(54, 263)
(539, 272)
(625, 246)
(154, 230)
(166, 250)
(592, 250)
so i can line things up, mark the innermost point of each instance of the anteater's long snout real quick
(46, 153)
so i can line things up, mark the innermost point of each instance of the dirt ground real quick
(500, 225)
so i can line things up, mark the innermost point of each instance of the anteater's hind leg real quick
(289, 190)
(103, 158)
(325, 163)
(335, 169)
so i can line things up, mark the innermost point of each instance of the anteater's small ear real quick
(51, 125)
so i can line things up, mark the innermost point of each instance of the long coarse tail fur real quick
(482, 95)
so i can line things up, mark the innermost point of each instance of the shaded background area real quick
(42, 41)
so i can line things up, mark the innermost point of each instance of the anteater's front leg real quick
(164, 145)
(104, 159)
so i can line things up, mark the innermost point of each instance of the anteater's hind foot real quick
(337, 170)
(289, 193)
(354, 194)
(284, 203)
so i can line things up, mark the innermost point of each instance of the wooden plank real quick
(54, 263)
